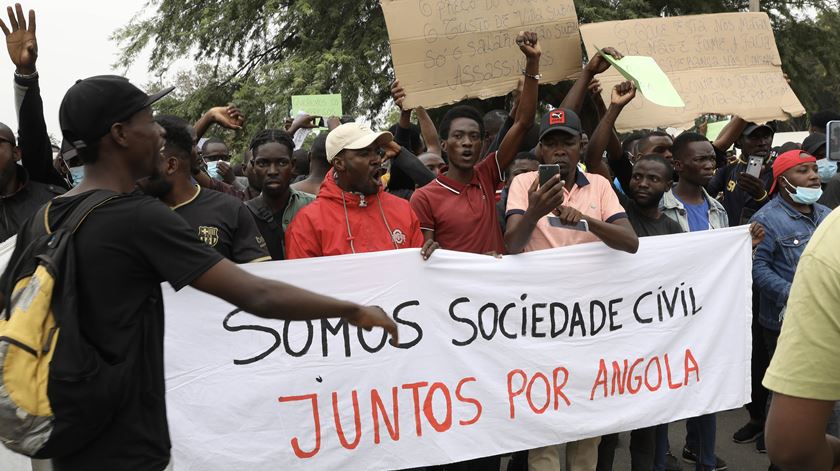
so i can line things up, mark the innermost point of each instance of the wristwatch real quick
(535, 77)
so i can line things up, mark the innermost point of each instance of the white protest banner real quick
(444, 52)
(726, 63)
(496, 355)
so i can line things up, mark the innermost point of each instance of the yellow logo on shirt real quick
(730, 187)
(209, 235)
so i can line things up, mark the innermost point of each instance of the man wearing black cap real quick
(138, 243)
(574, 207)
(24, 188)
(744, 194)
(550, 215)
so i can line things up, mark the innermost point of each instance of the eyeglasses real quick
(266, 163)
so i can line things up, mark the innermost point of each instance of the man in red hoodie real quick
(352, 213)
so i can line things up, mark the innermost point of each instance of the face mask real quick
(827, 169)
(78, 174)
(804, 195)
(212, 170)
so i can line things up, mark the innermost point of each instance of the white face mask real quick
(827, 169)
(78, 174)
(804, 194)
(212, 170)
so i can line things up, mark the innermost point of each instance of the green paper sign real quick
(713, 129)
(317, 105)
(649, 79)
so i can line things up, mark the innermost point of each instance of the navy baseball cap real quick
(753, 127)
(813, 143)
(560, 119)
(91, 106)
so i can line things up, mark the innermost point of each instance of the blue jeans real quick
(700, 438)
(662, 447)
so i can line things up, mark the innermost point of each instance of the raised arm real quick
(428, 131)
(35, 145)
(622, 94)
(408, 163)
(527, 108)
(730, 133)
(226, 116)
(574, 99)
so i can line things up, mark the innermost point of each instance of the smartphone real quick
(546, 171)
(582, 225)
(318, 121)
(832, 144)
(754, 165)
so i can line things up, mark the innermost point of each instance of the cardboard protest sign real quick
(317, 105)
(444, 52)
(724, 64)
(495, 355)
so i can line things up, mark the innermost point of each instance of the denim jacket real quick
(787, 232)
(674, 209)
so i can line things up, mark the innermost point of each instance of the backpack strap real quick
(78, 215)
(261, 211)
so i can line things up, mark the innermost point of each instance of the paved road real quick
(738, 457)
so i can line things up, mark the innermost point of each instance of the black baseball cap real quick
(752, 127)
(813, 143)
(560, 119)
(91, 106)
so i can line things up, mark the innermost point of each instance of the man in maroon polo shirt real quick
(458, 208)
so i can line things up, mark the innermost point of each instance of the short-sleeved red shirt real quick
(463, 217)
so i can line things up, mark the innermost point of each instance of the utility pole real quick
(754, 5)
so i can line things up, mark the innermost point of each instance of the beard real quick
(154, 185)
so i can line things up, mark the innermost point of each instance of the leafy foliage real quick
(258, 53)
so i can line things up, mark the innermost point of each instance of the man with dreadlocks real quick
(278, 203)
(220, 220)
(352, 213)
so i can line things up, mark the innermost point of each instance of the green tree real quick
(258, 53)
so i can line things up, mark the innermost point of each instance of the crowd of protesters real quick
(470, 182)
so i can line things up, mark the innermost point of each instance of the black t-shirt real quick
(224, 223)
(646, 226)
(124, 251)
(16, 208)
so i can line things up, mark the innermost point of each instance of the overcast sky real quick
(72, 44)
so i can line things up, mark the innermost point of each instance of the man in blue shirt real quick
(694, 209)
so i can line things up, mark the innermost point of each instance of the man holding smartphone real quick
(584, 209)
(744, 191)
(572, 207)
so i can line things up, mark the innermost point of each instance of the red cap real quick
(787, 161)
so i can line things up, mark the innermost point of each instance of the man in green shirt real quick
(274, 208)
(804, 374)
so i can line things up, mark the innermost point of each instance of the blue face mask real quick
(212, 170)
(804, 195)
(78, 174)
(827, 169)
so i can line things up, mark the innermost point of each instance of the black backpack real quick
(56, 391)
